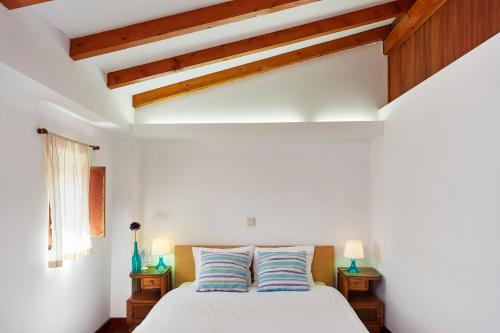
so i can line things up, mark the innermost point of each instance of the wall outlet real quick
(251, 222)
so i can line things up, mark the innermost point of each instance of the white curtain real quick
(67, 172)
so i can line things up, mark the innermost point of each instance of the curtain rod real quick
(44, 131)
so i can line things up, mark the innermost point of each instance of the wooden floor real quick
(121, 328)
(125, 330)
(114, 325)
(115, 330)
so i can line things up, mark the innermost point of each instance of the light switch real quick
(251, 222)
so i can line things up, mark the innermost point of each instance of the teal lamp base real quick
(161, 265)
(353, 268)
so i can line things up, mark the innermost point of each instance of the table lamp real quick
(160, 248)
(353, 250)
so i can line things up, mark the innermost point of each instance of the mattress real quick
(183, 310)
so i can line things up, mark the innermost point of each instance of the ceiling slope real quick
(258, 67)
(175, 25)
(256, 44)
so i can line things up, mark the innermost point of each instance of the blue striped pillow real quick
(223, 271)
(282, 271)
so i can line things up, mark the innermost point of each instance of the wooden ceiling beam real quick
(256, 44)
(412, 20)
(14, 4)
(175, 25)
(257, 67)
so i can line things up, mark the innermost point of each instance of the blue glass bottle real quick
(136, 260)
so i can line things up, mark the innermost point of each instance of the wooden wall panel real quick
(455, 29)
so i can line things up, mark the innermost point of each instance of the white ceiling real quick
(347, 86)
(77, 18)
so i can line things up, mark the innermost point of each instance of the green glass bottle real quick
(136, 260)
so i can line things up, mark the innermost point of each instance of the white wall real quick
(436, 234)
(124, 202)
(74, 298)
(347, 86)
(377, 199)
(31, 46)
(201, 191)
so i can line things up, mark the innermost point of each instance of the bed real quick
(183, 310)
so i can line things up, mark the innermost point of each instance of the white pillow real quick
(197, 259)
(309, 258)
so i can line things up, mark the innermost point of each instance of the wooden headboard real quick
(322, 265)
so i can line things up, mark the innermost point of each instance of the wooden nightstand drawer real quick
(370, 316)
(358, 284)
(150, 283)
(148, 287)
(358, 289)
(369, 309)
(137, 312)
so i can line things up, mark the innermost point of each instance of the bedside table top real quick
(150, 271)
(365, 272)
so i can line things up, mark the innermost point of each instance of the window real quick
(97, 204)
(67, 174)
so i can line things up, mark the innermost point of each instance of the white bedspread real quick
(183, 310)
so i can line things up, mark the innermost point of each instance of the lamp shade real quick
(354, 249)
(160, 247)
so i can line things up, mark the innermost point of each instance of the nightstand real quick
(148, 287)
(357, 288)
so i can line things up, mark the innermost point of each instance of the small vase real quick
(136, 260)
